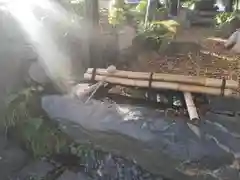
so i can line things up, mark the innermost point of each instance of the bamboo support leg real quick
(193, 115)
(191, 108)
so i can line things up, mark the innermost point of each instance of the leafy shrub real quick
(154, 33)
(225, 17)
(188, 3)
(121, 13)
(116, 16)
(141, 7)
(149, 35)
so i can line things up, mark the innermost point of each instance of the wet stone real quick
(226, 173)
(145, 135)
(69, 175)
(38, 169)
(37, 73)
(223, 104)
(12, 158)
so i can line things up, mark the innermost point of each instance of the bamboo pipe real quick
(191, 108)
(161, 85)
(210, 82)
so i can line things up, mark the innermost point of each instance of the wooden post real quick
(237, 4)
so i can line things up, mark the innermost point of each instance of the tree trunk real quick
(229, 7)
(237, 6)
(91, 12)
(92, 25)
(174, 7)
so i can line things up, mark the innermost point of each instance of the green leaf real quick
(141, 7)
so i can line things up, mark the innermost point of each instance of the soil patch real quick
(199, 54)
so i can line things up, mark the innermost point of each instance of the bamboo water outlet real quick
(201, 81)
(161, 85)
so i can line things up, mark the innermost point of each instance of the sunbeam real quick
(33, 16)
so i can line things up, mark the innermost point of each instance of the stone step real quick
(207, 13)
(203, 20)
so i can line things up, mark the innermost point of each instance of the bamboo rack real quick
(162, 85)
(199, 81)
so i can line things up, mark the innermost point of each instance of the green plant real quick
(40, 136)
(225, 17)
(139, 11)
(189, 4)
(121, 13)
(157, 31)
(117, 12)
(17, 110)
(116, 16)
(142, 7)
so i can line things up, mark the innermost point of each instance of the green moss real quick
(41, 138)
(26, 120)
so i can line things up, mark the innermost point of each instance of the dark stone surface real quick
(15, 54)
(38, 170)
(69, 175)
(12, 158)
(38, 74)
(146, 135)
(224, 103)
(228, 173)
